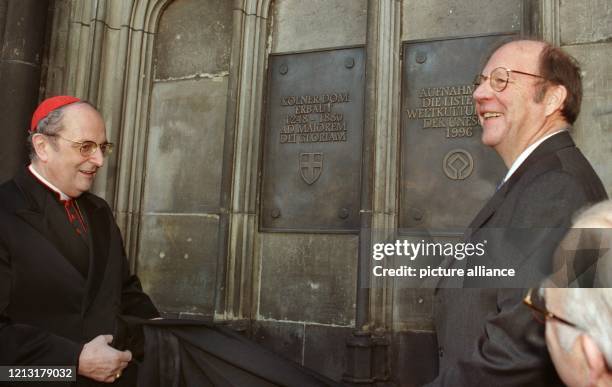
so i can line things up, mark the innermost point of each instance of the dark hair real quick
(559, 68)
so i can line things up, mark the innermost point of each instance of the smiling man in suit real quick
(64, 277)
(527, 97)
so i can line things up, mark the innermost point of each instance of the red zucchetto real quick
(48, 105)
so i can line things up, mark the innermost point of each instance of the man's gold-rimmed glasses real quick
(499, 78)
(88, 148)
(536, 302)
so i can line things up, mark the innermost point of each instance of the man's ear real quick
(594, 357)
(41, 147)
(554, 98)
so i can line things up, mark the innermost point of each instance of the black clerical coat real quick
(48, 308)
(185, 353)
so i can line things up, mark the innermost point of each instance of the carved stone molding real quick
(384, 45)
(103, 54)
(238, 267)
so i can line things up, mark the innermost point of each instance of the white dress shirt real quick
(519, 160)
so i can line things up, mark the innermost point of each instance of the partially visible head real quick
(584, 256)
(597, 221)
(54, 148)
(542, 94)
(583, 354)
(597, 216)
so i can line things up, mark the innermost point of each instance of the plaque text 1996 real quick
(448, 107)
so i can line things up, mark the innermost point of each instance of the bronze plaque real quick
(313, 135)
(447, 175)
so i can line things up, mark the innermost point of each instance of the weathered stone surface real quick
(177, 262)
(306, 25)
(444, 18)
(21, 42)
(413, 309)
(593, 129)
(284, 338)
(585, 21)
(308, 278)
(185, 146)
(21, 50)
(18, 100)
(3, 12)
(325, 349)
(194, 37)
(414, 358)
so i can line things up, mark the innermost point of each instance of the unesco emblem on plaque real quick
(441, 149)
(458, 164)
(311, 165)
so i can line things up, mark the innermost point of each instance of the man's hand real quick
(101, 362)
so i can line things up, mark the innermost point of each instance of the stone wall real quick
(22, 49)
(306, 284)
(182, 87)
(177, 255)
(585, 32)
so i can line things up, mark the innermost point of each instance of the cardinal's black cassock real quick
(185, 353)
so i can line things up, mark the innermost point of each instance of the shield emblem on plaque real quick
(311, 165)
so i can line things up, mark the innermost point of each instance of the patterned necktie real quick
(74, 217)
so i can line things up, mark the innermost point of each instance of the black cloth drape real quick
(186, 353)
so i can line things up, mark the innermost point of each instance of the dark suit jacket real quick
(486, 336)
(48, 309)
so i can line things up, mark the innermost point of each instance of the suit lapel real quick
(544, 151)
(488, 210)
(99, 237)
(485, 213)
(543, 154)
